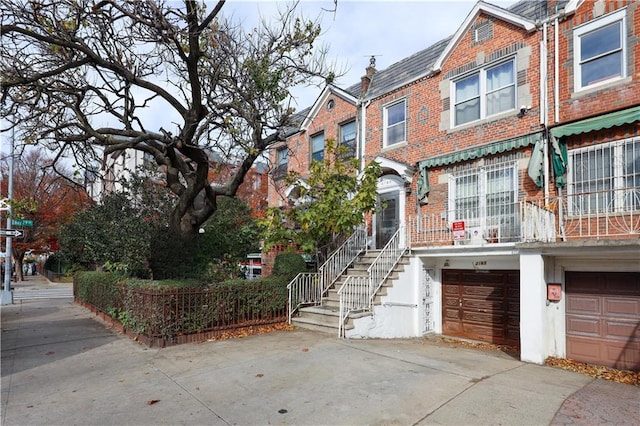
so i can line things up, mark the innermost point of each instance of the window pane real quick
(467, 106)
(467, 111)
(601, 69)
(282, 156)
(395, 114)
(500, 76)
(467, 88)
(632, 175)
(501, 90)
(395, 134)
(600, 41)
(466, 198)
(593, 180)
(317, 147)
(501, 100)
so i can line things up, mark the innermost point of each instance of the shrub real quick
(288, 265)
(98, 289)
(168, 308)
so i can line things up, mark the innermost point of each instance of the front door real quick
(387, 221)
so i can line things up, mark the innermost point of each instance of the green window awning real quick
(605, 121)
(481, 151)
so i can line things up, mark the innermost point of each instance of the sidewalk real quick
(62, 366)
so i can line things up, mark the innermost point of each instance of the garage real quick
(603, 318)
(482, 305)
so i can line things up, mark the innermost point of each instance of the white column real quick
(533, 298)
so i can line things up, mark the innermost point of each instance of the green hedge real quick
(165, 309)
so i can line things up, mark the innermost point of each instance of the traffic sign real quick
(11, 233)
(26, 223)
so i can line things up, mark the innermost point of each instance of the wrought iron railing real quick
(613, 213)
(358, 292)
(308, 288)
(598, 215)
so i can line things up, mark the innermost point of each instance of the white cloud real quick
(391, 30)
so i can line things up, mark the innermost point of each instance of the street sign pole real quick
(6, 297)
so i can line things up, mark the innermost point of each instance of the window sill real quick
(595, 88)
(394, 146)
(513, 113)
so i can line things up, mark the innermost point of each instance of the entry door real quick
(387, 220)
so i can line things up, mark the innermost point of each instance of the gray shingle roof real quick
(417, 65)
(406, 70)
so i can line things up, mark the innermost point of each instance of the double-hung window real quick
(282, 161)
(395, 120)
(348, 138)
(489, 91)
(485, 199)
(605, 178)
(317, 147)
(600, 51)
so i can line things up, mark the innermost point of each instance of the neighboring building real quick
(121, 165)
(115, 169)
(511, 180)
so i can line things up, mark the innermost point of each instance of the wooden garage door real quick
(603, 318)
(482, 306)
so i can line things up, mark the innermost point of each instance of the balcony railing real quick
(587, 215)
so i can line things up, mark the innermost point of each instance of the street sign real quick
(25, 223)
(11, 233)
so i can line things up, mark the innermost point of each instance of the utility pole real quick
(6, 297)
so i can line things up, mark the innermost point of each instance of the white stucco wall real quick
(399, 313)
(532, 308)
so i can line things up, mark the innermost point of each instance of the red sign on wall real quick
(458, 230)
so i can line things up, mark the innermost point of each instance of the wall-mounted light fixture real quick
(523, 110)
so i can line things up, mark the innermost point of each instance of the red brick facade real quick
(545, 98)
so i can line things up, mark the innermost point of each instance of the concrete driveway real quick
(62, 366)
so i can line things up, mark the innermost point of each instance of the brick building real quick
(511, 184)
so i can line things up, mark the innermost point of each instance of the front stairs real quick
(326, 316)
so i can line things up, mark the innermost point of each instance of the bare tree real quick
(174, 80)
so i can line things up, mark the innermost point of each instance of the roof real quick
(421, 64)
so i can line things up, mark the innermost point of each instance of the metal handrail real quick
(344, 256)
(383, 265)
(357, 292)
(304, 289)
(354, 296)
(307, 288)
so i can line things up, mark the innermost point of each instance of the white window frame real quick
(618, 16)
(481, 218)
(403, 123)
(616, 197)
(482, 91)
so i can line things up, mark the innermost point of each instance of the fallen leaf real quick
(50, 353)
(152, 401)
(597, 371)
(305, 349)
(259, 375)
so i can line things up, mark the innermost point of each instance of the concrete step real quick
(323, 318)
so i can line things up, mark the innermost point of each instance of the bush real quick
(99, 289)
(288, 265)
(168, 308)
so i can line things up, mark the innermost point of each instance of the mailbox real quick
(554, 292)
